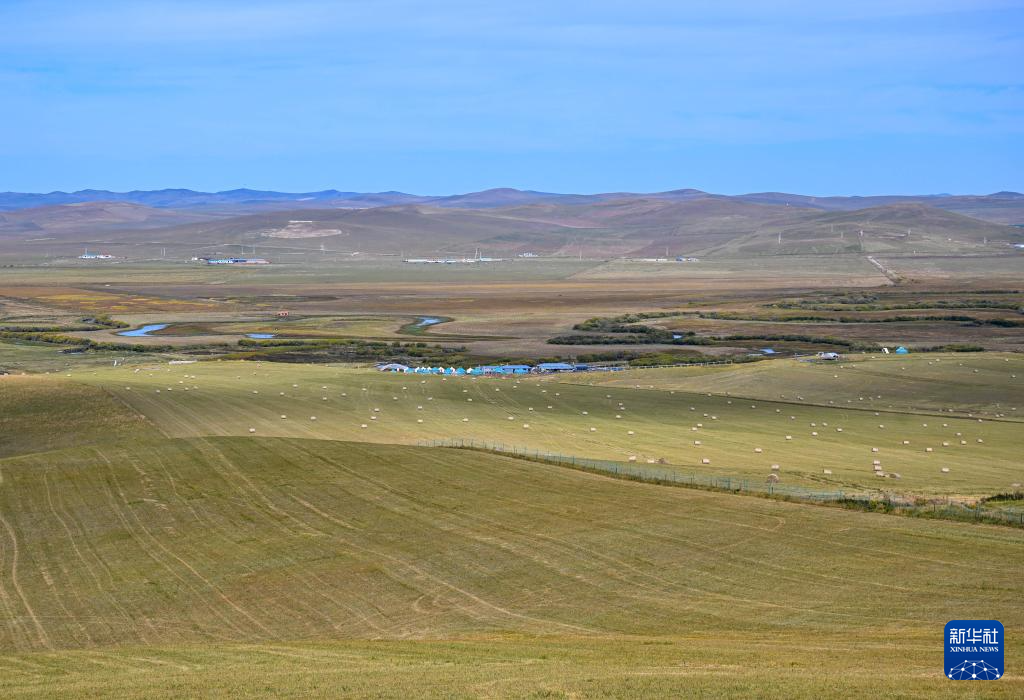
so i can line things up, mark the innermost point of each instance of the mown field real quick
(634, 419)
(296, 567)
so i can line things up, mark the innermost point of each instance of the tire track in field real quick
(149, 551)
(422, 573)
(44, 638)
(317, 586)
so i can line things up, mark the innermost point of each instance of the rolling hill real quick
(1000, 207)
(688, 223)
(90, 217)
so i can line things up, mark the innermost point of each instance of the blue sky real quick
(866, 97)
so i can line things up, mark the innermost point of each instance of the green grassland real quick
(296, 567)
(985, 385)
(550, 414)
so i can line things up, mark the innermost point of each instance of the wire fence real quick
(673, 475)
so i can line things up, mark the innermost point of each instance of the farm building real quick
(237, 261)
(554, 367)
(902, 351)
(828, 355)
(394, 367)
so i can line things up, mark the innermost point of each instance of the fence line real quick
(674, 476)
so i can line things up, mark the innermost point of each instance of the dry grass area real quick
(474, 574)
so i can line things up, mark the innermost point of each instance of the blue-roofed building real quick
(767, 351)
(514, 369)
(902, 351)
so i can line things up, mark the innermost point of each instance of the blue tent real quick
(902, 351)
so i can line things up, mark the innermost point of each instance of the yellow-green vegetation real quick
(48, 413)
(252, 565)
(634, 420)
(981, 384)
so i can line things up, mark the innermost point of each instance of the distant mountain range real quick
(679, 223)
(1000, 207)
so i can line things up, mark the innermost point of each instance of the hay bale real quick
(363, 425)
(814, 433)
(593, 430)
(632, 458)
(630, 432)
(252, 430)
(526, 425)
(696, 442)
(927, 449)
(775, 467)
(705, 460)
(906, 442)
(944, 470)
(283, 416)
(826, 472)
(757, 450)
(876, 462)
(789, 437)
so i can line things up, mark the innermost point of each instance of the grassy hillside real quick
(229, 398)
(43, 413)
(479, 575)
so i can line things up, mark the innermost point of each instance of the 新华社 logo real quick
(974, 650)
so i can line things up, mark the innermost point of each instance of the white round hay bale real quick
(963, 442)
(252, 430)
(632, 458)
(827, 472)
(650, 461)
(874, 449)
(373, 417)
(585, 413)
(839, 430)
(526, 425)
(323, 398)
(511, 417)
(758, 450)
(283, 416)
(814, 425)
(814, 433)
(980, 440)
(945, 443)
(876, 462)
(944, 470)
(928, 449)
(465, 420)
(630, 432)
(617, 415)
(593, 430)
(295, 386)
(312, 417)
(906, 442)
(696, 442)
(419, 420)
(789, 437)
(775, 467)
(705, 460)
(363, 425)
